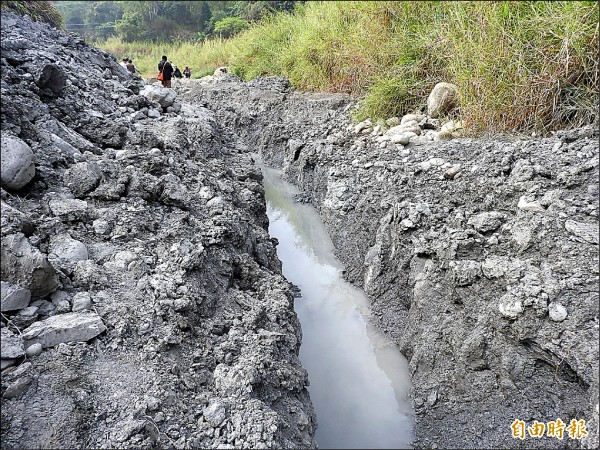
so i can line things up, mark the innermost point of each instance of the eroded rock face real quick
(480, 256)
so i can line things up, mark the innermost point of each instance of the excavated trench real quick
(143, 231)
(359, 381)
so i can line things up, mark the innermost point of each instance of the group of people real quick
(127, 63)
(167, 68)
(169, 71)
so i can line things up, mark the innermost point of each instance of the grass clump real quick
(39, 11)
(519, 66)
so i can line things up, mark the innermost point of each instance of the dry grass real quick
(519, 66)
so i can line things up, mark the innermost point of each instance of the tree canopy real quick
(164, 20)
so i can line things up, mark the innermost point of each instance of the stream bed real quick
(359, 382)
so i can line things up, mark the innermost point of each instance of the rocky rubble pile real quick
(142, 299)
(480, 256)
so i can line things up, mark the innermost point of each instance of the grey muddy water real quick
(359, 382)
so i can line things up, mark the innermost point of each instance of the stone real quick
(68, 208)
(6, 363)
(153, 113)
(14, 297)
(64, 328)
(61, 307)
(557, 312)
(25, 317)
(65, 252)
(82, 302)
(588, 232)
(409, 127)
(16, 164)
(526, 204)
(442, 99)
(510, 306)
(161, 95)
(51, 79)
(87, 274)
(220, 72)
(521, 171)
(34, 350)
(14, 221)
(101, 226)
(412, 118)
(214, 413)
(402, 138)
(25, 265)
(436, 162)
(64, 147)
(17, 388)
(82, 178)
(11, 344)
(407, 224)
(452, 126)
(487, 221)
(451, 173)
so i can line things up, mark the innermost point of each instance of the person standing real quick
(166, 68)
(130, 66)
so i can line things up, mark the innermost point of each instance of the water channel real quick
(359, 383)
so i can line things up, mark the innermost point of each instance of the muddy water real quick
(359, 383)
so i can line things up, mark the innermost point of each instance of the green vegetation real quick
(518, 65)
(163, 21)
(40, 11)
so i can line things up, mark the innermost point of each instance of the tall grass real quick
(518, 65)
(202, 59)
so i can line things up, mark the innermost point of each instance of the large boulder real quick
(164, 96)
(65, 252)
(82, 178)
(51, 79)
(70, 327)
(26, 266)
(442, 99)
(17, 166)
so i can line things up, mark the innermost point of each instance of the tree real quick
(132, 27)
(230, 26)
